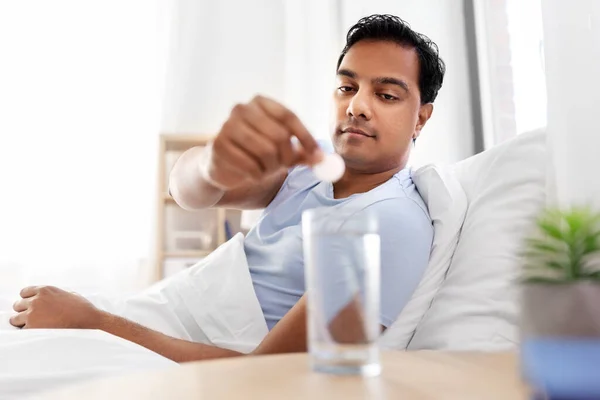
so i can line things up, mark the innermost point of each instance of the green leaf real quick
(564, 247)
(549, 263)
(575, 220)
(545, 246)
(590, 248)
(551, 229)
(592, 275)
(540, 280)
(592, 244)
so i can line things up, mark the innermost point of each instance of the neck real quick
(354, 182)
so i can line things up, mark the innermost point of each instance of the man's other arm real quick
(288, 336)
(47, 307)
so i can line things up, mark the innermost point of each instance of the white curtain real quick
(572, 36)
(314, 40)
(228, 51)
(510, 49)
(220, 53)
(79, 115)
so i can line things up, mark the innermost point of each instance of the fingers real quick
(256, 142)
(230, 156)
(22, 305)
(274, 131)
(262, 150)
(290, 121)
(30, 291)
(18, 320)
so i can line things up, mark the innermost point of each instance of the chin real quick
(354, 156)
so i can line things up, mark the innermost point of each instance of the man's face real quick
(378, 106)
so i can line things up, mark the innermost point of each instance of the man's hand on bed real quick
(50, 307)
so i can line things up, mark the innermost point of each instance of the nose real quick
(360, 106)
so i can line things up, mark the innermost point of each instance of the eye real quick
(388, 97)
(345, 89)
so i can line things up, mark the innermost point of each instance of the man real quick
(388, 77)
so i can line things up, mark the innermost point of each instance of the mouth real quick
(357, 131)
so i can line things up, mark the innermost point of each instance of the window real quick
(527, 60)
(511, 67)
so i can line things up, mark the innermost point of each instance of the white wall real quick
(448, 136)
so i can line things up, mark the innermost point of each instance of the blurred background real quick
(88, 88)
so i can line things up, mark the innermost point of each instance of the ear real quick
(425, 112)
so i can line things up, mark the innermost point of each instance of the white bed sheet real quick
(4, 324)
(36, 360)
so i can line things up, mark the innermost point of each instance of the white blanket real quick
(212, 302)
(40, 359)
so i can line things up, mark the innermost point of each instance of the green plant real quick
(565, 247)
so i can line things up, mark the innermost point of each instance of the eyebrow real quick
(385, 80)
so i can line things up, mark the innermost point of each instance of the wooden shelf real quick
(171, 146)
(187, 253)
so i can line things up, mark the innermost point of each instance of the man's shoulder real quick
(399, 195)
(402, 221)
(399, 206)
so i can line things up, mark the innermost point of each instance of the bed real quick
(481, 208)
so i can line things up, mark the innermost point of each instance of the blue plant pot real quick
(560, 340)
(562, 368)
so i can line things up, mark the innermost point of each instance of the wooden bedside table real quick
(406, 375)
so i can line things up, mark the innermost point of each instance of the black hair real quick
(394, 29)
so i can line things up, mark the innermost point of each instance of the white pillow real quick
(447, 204)
(212, 302)
(476, 307)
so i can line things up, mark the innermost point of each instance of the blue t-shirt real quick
(274, 246)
